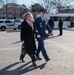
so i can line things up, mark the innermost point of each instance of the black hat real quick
(43, 10)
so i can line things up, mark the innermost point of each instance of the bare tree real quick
(5, 3)
(35, 8)
(25, 10)
(61, 4)
(46, 4)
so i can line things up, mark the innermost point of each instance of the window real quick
(17, 21)
(55, 18)
(67, 19)
(1, 21)
(7, 22)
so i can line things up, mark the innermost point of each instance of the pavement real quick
(60, 49)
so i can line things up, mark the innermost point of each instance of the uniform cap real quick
(43, 10)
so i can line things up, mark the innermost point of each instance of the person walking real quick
(27, 36)
(40, 27)
(51, 23)
(60, 25)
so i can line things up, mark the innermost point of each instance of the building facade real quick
(11, 10)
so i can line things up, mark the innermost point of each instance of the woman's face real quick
(30, 17)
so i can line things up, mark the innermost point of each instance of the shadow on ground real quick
(36, 40)
(16, 42)
(20, 70)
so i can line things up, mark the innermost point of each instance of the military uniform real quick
(40, 27)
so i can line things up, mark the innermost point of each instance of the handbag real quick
(23, 50)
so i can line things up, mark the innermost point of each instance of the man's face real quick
(42, 14)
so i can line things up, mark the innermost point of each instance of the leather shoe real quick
(60, 35)
(48, 59)
(34, 64)
(38, 58)
(21, 59)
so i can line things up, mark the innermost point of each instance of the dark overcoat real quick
(27, 35)
(60, 24)
(51, 23)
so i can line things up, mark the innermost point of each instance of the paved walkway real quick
(59, 48)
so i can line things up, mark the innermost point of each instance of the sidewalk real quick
(59, 48)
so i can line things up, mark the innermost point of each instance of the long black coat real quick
(51, 23)
(60, 24)
(27, 35)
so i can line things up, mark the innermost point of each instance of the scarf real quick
(30, 23)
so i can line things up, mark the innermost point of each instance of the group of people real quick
(31, 30)
(60, 25)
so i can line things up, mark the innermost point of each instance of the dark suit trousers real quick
(41, 48)
(60, 30)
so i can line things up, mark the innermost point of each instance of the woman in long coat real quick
(27, 36)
